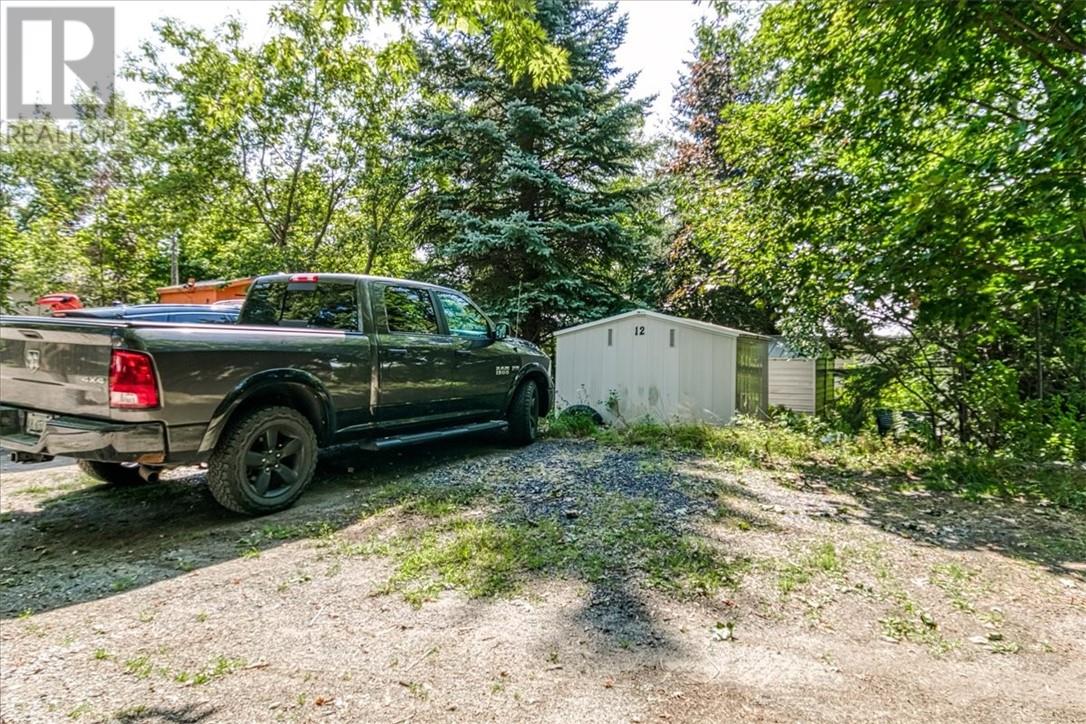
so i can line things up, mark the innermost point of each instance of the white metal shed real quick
(643, 363)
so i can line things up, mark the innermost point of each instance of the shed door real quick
(751, 376)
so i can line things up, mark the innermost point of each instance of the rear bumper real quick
(82, 437)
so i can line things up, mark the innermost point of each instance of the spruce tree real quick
(537, 208)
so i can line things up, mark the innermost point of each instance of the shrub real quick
(570, 424)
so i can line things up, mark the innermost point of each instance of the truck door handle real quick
(396, 352)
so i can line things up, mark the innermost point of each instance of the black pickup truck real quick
(314, 360)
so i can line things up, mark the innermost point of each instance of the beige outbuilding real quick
(647, 364)
(799, 382)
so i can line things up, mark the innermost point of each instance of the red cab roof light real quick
(132, 382)
(304, 277)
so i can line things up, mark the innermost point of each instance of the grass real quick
(416, 689)
(308, 529)
(785, 443)
(134, 713)
(1004, 647)
(142, 667)
(956, 582)
(979, 477)
(570, 425)
(614, 537)
(906, 620)
(217, 669)
(822, 559)
(139, 666)
(122, 583)
(428, 502)
(36, 490)
(482, 558)
(80, 711)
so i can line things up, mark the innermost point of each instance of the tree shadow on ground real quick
(93, 542)
(1048, 536)
(622, 521)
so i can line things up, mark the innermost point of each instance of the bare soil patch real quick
(567, 581)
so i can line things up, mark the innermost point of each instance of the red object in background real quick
(60, 301)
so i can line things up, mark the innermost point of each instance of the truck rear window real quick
(326, 305)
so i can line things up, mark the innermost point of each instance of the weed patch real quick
(140, 667)
(615, 537)
(480, 557)
(823, 559)
(570, 425)
(955, 581)
(217, 669)
(779, 444)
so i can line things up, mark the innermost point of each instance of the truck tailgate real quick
(56, 365)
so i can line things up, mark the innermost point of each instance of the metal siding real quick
(722, 387)
(694, 380)
(792, 384)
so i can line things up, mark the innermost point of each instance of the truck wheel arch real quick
(541, 379)
(287, 387)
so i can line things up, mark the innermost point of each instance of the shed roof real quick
(680, 321)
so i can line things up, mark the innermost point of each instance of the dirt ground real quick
(843, 598)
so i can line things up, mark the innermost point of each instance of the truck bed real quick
(60, 367)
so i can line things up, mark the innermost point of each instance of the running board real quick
(384, 443)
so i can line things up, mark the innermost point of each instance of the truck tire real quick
(111, 473)
(524, 413)
(263, 461)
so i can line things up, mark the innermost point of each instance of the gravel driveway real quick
(566, 581)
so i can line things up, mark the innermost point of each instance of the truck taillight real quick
(304, 278)
(132, 383)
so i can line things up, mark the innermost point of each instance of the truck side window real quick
(408, 309)
(324, 305)
(464, 320)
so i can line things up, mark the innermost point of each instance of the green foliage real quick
(288, 146)
(750, 440)
(76, 211)
(699, 282)
(570, 424)
(903, 180)
(250, 159)
(481, 558)
(517, 39)
(536, 206)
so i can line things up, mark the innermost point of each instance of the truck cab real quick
(315, 359)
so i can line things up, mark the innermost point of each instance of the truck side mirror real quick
(501, 330)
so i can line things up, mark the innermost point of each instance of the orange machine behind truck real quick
(208, 292)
